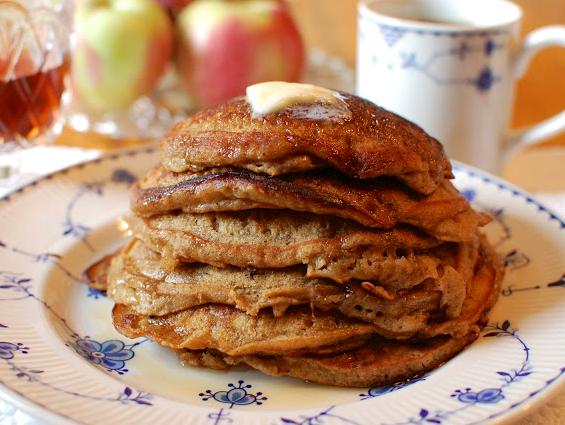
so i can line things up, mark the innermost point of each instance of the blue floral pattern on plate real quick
(95, 293)
(111, 355)
(21, 365)
(7, 350)
(236, 395)
(379, 391)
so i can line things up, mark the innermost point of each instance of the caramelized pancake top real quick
(371, 142)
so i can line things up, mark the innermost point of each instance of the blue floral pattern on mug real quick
(486, 79)
(472, 45)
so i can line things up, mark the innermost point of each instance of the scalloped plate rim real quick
(517, 411)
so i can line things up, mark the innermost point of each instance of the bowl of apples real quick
(141, 65)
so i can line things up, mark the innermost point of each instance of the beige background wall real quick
(331, 25)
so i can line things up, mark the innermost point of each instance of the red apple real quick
(173, 6)
(226, 46)
(123, 47)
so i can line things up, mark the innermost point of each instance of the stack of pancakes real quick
(332, 249)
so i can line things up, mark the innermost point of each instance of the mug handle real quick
(535, 41)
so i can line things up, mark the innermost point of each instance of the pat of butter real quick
(274, 96)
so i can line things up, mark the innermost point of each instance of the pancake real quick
(482, 294)
(378, 362)
(370, 142)
(299, 329)
(323, 241)
(236, 333)
(445, 214)
(137, 280)
(330, 248)
(97, 274)
(381, 362)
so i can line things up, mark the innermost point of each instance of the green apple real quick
(122, 49)
(223, 47)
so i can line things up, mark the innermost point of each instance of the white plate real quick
(61, 359)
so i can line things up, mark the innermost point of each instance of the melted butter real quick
(304, 100)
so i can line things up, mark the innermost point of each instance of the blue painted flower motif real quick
(93, 187)
(26, 373)
(142, 398)
(14, 281)
(426, 417)
(420, 416)
(469, 194)
(76, 230)
(485, 80)
(320, 418)
(482, 82)
(95, 293)
(121, 175)
(494, 395)
(500, 330)
(7, 349)
(515, 259)
(557, 283)
(378, 391)
(489, 47)
(110, 354)
(486, 396)
(45, 257)
(219, 417)
(408, 60)
(236, 395)
(391, 35)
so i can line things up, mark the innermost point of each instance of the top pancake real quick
(371, 142)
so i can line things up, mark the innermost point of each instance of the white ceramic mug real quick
(450, 67)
